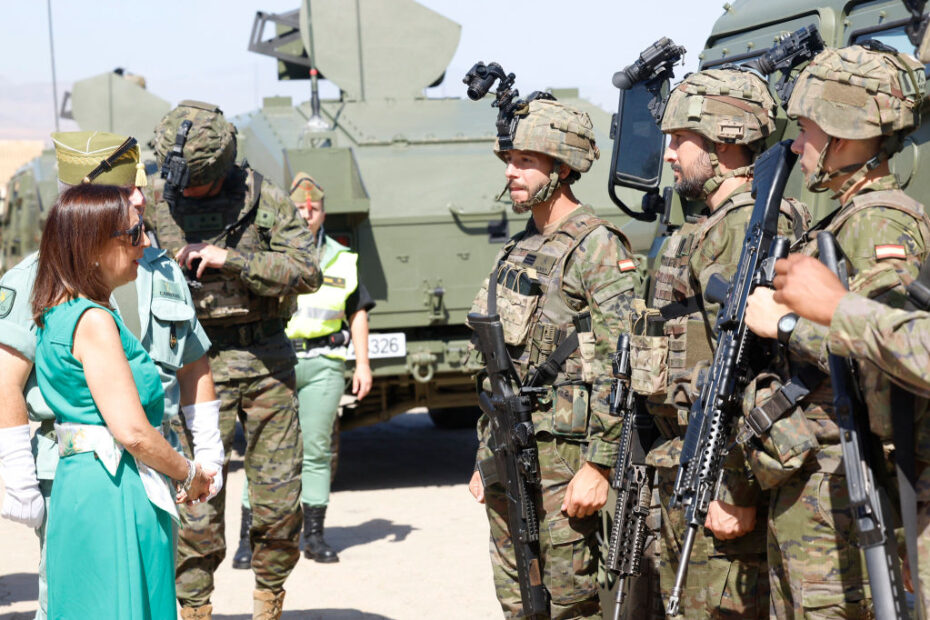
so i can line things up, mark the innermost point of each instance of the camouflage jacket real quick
(271, 259)
(695, 252)
(585, 264)
(885, 236)
(896, 341)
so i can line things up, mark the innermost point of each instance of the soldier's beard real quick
(690, 183)
(524, 207)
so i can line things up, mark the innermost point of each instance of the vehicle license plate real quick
(380, 346)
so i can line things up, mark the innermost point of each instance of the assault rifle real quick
(790, 51)
(515, 463)
(862, 457)
(631, 477)
(710, 425)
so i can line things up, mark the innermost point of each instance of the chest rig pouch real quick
(232, 219)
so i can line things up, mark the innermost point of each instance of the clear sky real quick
(196, 49)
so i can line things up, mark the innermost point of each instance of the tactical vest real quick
(323, 312)
(675, 337)
(222, 299)
(535, 312)
(820, 399)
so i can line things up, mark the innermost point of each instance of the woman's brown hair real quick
(80, 224)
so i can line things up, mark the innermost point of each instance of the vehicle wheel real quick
(455, 417)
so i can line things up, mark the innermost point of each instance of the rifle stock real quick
(516, 458)
(868, 503)
(710, 425)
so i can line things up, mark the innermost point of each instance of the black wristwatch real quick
(786, 325)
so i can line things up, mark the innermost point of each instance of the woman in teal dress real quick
(110, 535)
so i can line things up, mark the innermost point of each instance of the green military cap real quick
(305, 187)
(98, 157)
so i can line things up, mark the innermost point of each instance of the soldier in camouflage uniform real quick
(896, 341)
(572, 262)
(242, 282)
(854, 106)
(717, 121)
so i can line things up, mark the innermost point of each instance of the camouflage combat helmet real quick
(210, 149)
(559, 131)
(724, 106)
(859, 93)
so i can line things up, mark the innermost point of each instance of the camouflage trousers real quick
(815, 569)
(568, 545)
(726, 579)
(267, 408)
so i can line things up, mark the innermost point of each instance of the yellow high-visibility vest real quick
(323, 312)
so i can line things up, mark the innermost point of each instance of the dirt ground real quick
(412, 542)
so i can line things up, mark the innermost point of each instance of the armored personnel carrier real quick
(411, 183)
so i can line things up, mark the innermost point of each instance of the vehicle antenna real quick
(51, 46)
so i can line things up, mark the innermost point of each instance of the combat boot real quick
(315, 548)
(204, 612)
(243, 557)
(267, 605)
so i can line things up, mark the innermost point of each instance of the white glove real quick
(23, 502)
(203, 420)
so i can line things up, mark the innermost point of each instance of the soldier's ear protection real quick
(175, 170)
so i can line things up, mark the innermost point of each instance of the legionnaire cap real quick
(724, 106)
(305, 188)
(98, 157)
(557, 130)
(210, 149)
(857, 93)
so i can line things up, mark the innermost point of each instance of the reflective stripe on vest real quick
(323, 312)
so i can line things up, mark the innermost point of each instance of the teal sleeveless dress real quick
(110, 551)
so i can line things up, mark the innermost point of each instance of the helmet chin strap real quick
(713, 183)
(544, 193)
(818, 179)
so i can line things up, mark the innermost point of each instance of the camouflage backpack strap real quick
(890, 198)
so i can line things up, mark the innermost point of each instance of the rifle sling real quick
(545, 373)
(761, 418)
(679, 309)
(257, 179)
(902, 411)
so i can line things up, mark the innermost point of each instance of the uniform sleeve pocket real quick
(170, 310)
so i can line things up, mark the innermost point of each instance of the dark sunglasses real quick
(135, 233)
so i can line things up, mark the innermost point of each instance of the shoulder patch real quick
(264, 218)
(627, 264)
(890, 251)
(7, 296)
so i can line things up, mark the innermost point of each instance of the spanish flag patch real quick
(890, 251)
(627, 264)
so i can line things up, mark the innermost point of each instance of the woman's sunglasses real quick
(135, 233)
